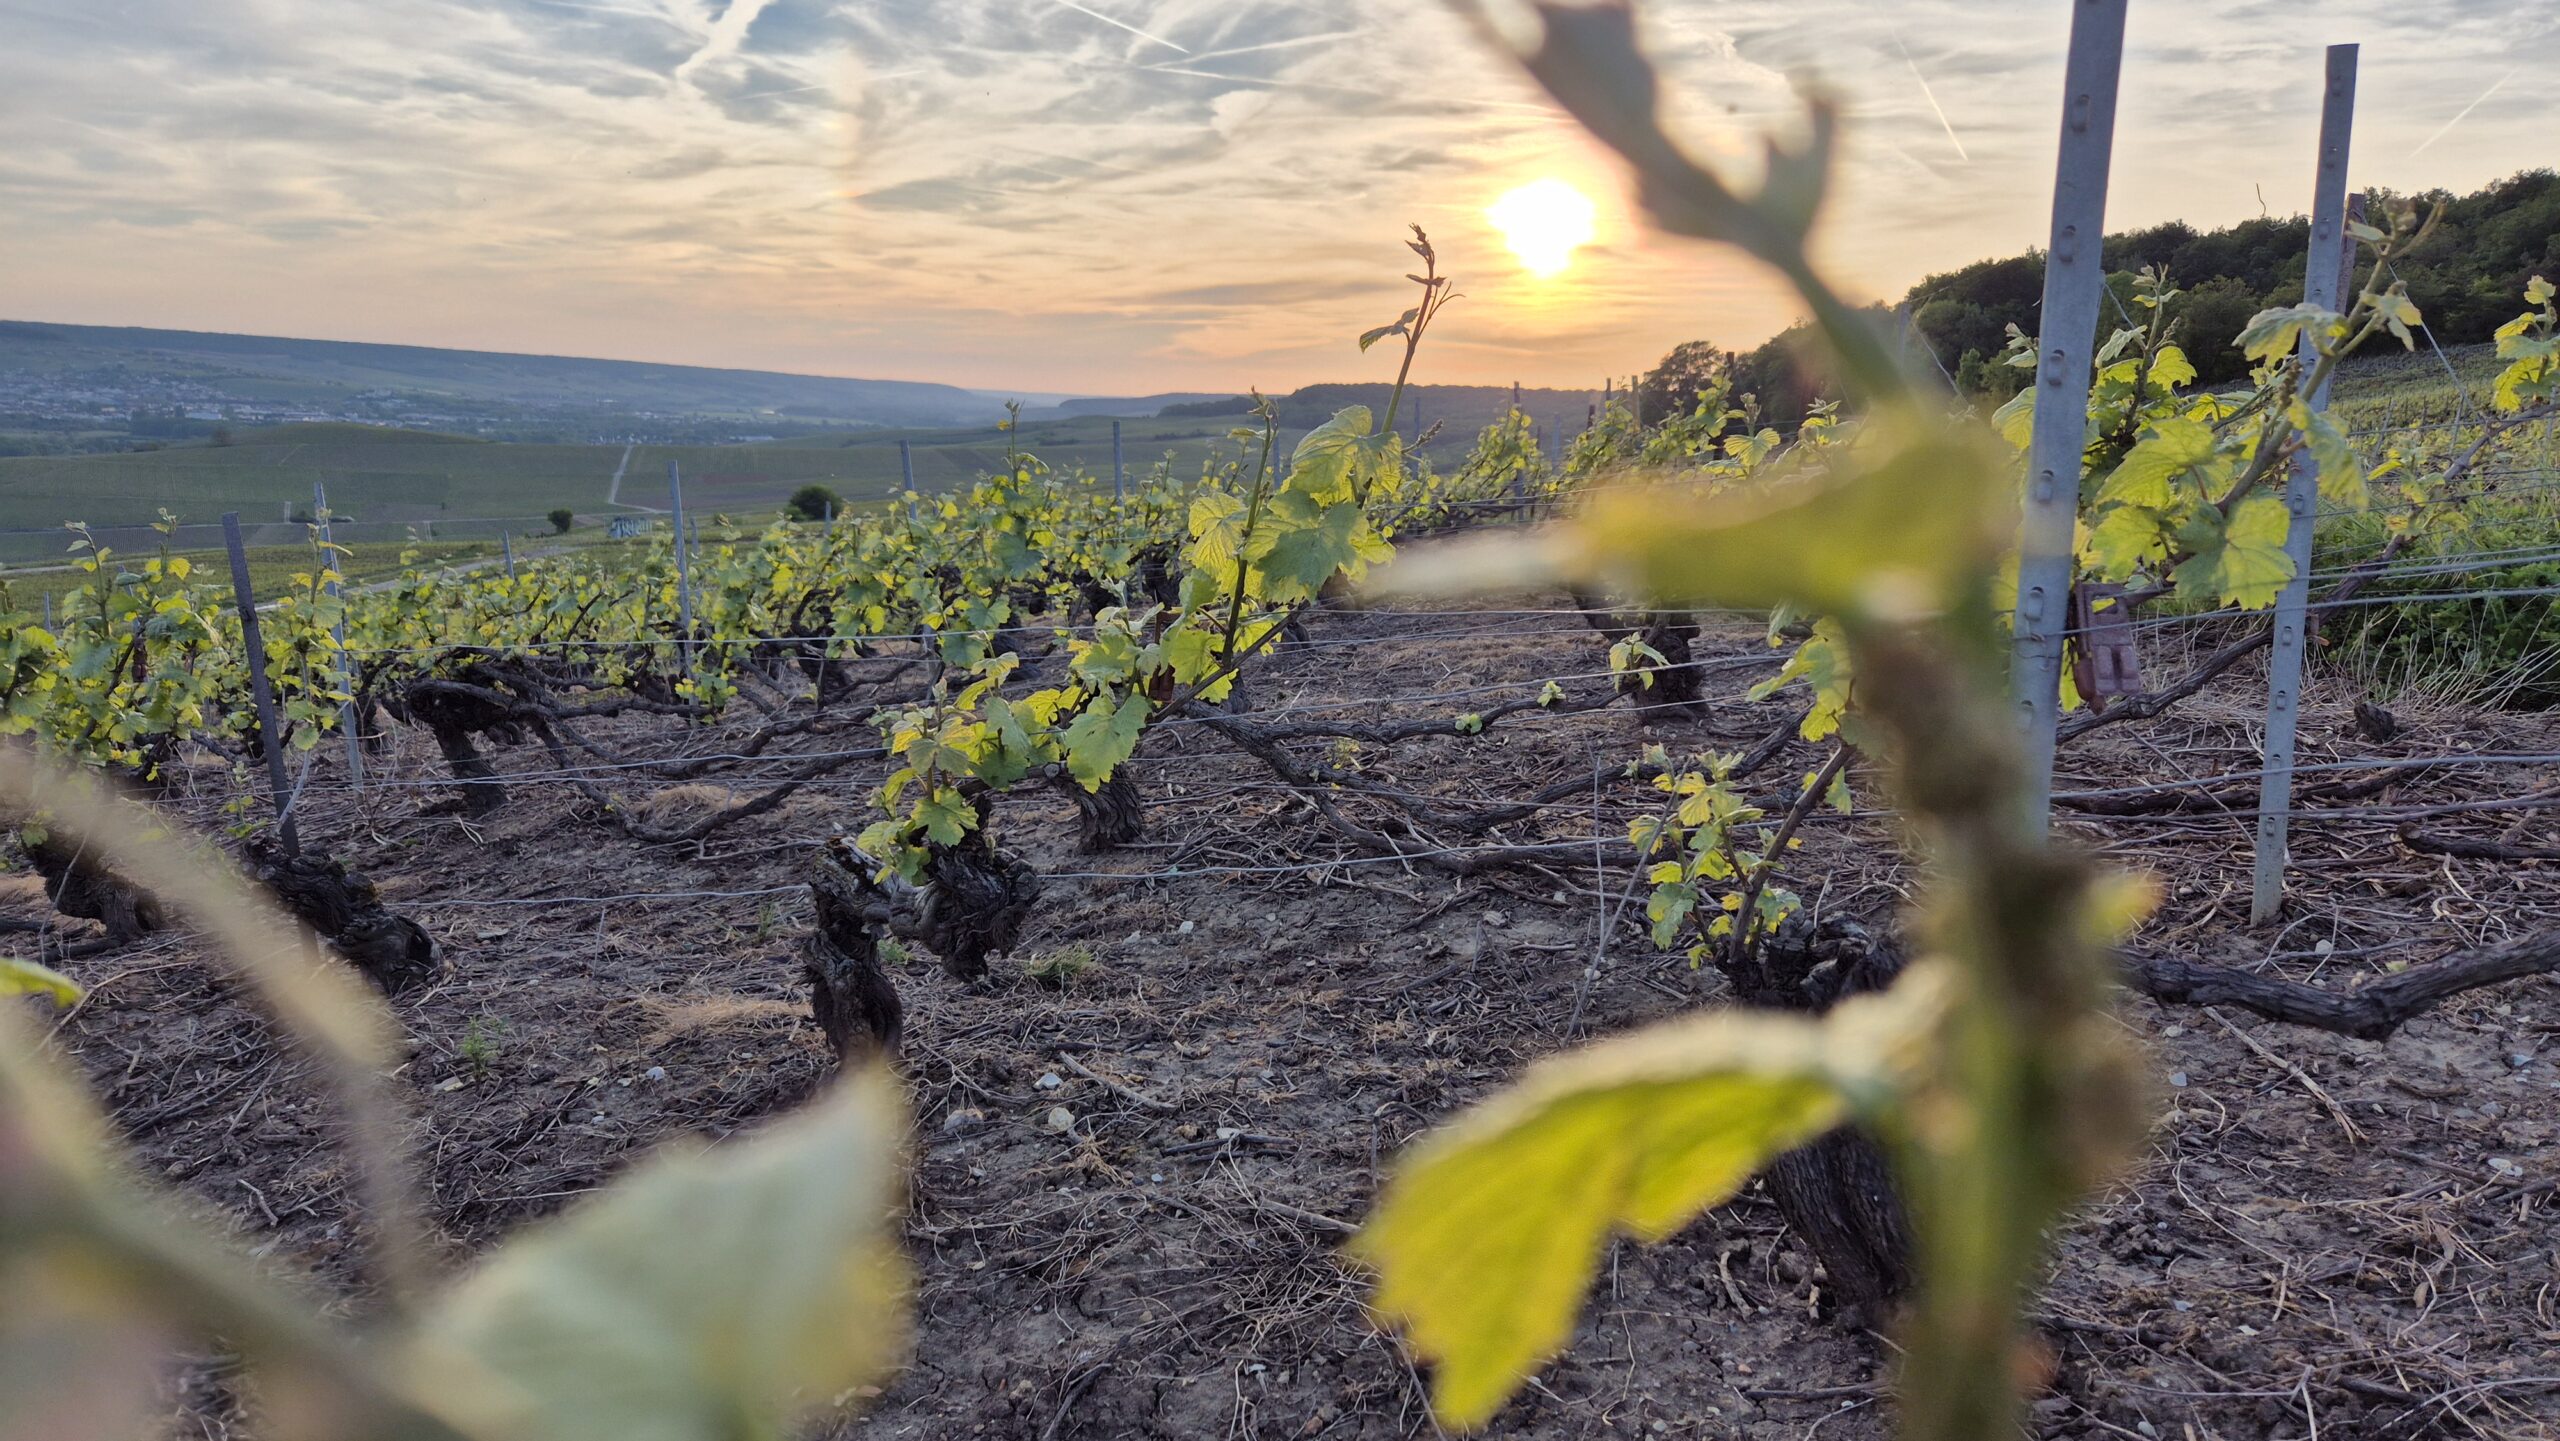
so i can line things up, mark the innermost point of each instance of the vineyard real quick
(1206, 856)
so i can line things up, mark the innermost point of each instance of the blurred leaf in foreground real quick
(708, 1295)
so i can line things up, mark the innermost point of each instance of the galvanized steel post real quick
(346, 667)
(2074, 272)
(262, 697)
(684, 567)
(2323, 284)
(1119, 467)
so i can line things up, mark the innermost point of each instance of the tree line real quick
(2464, 280)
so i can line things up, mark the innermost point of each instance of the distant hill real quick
(1140, 407)
(1459, 411)
(274, 370)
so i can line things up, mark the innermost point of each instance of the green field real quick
(271, 567)
(392, 485)
(389, 481)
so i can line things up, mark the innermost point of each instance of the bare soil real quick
(2328, 1238)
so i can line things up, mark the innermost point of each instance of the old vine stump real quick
(82, 885)
(1111, 816)
(971, 905)
(855, 1002)
(1837, 1194)
(394, 952)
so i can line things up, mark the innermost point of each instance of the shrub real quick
(812, 502)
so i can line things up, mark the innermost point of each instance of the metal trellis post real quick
(1119, 467)
(346, 667)
(261, 696)
(507, 550)
(2323, 283)
(907, 475)
(684, 566)
(2073, 273)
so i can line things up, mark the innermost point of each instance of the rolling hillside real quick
(255, 368)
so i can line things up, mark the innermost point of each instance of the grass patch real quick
(1058, 968)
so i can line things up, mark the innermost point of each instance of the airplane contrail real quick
(1123, 24)
(1277, 45)
(1295, 84)
(2493, 89)
(1932, 97)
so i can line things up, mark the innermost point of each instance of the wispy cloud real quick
(723, 40)
(1150, 194)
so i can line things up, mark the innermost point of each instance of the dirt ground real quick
(2328, 1238)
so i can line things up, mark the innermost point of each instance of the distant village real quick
(115, 407)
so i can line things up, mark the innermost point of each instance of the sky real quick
(1109, 196)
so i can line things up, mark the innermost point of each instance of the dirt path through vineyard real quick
(1134, 1176)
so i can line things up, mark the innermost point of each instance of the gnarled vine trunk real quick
(454, 713)
(855, 1002)
(1837, 1194)
(1676, 690)
(394, 952)
(971, 905)
(1113, 816)
(83, 886)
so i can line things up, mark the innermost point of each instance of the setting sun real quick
(1544, 221)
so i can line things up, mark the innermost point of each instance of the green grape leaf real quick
(26, 978)
(2148, 474)
(1321, 466)
(2016, 418)
(707, 1293)
(1492, 1228)
(1217, 528)
(2398, 312)
(1398, 327)
(1301, 546)
(2170, 367)
(2341, 469)
(1822, 663)
(2274, 334)
(947, 817)
(1670, 906)
(2124, 540)
(2240, 563)
(1104, 736)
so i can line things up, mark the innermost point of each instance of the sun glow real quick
(1544, 221)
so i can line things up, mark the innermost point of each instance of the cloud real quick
(725, 37)
(1113, 194)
